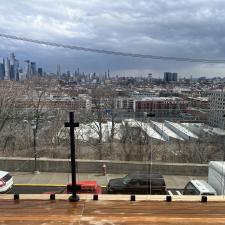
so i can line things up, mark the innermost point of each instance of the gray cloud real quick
(182, 28)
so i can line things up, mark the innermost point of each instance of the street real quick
(25, 189)
(29, 183)
(48, 189)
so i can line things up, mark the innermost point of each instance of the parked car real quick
(137, 183)
(85, 187)
(82, 187)
(198, 187)
(6, 181)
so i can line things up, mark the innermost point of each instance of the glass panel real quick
(127, 142)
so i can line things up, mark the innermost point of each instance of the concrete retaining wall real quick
(95, 166)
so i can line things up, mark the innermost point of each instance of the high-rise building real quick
(33, 69)
(12, 67)
(170, 77)
(175, 77)
(40, 72)
(68, 73)
(58, 72)
(150, 78)
(28, 69)
(12, 58)
(2, 71)
(12, 72)
(7, 68)
(16, 68)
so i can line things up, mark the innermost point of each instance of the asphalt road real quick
(36, 189)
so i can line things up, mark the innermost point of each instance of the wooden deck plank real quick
(89, 212)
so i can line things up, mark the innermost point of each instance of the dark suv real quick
(137, 183)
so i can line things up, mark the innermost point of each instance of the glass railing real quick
(117, 151)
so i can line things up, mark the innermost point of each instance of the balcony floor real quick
(36, 211)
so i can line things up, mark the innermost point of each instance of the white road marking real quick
(178, 192)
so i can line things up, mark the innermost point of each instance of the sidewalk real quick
(172, 181)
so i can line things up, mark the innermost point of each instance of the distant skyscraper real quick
(16, 68)
(12, 67)
(12, 59)
(150, 78)
(7, 69)
(170, 77)
(33, 69)
(12, 72)
(28, 69)
(40, 72)
(2, 71)
(174, 77)
(58, 72)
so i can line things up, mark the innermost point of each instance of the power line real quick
(109, 52)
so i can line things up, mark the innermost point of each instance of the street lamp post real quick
(34, 128)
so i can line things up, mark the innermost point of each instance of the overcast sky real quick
(179, 28)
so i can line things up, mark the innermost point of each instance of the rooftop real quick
(162, 131)
(166, 130)
(181, 129)
(160, 99)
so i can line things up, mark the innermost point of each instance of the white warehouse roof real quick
(159, 131)
(163, 129)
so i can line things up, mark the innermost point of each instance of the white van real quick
(198, 187)
(216, 176)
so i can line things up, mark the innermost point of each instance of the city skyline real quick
(28, 68)
(147, 27)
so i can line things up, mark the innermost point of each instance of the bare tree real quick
(37, 91)
(136, 143)
(9, 92)
(103, 104)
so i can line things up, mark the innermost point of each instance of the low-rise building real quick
(161, 105)
(124, 104)
(199, 102)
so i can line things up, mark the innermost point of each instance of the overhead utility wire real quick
(101, 51)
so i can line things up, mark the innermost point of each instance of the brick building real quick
(161, 106)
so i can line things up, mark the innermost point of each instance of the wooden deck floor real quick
(32, 210)
(110, 212)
